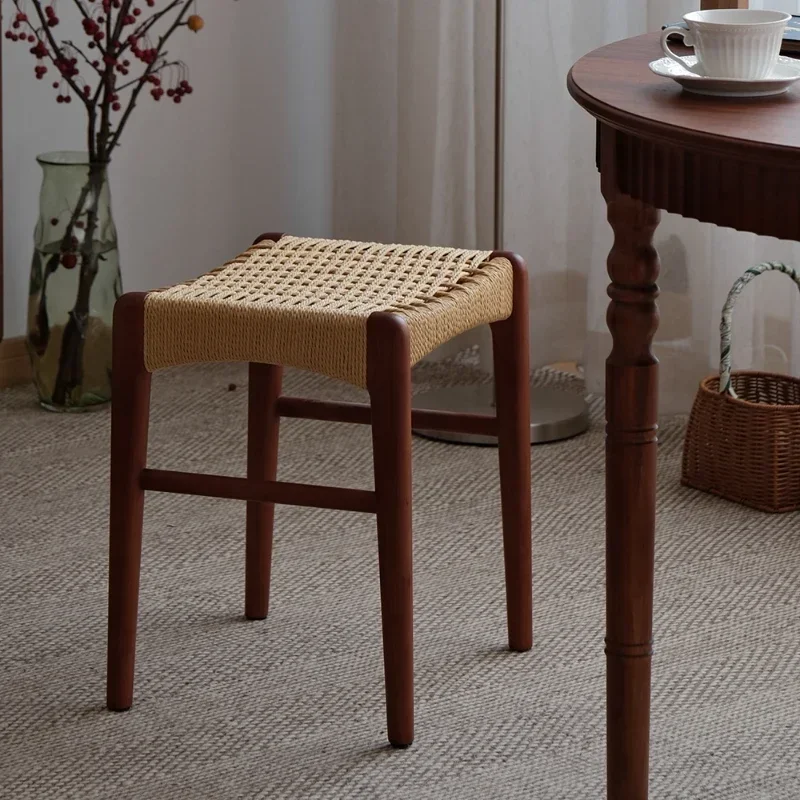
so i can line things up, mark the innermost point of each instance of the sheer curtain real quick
(413, 140)
(414, 124)
(408, 156)
(555, 217)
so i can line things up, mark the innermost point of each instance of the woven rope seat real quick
(305, 303)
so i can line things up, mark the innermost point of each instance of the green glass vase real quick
(75, 281)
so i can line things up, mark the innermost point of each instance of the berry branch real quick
(72, 46)
(56, 54)
(145, 26)
(155, 71)
(119, 31)
(157, 64)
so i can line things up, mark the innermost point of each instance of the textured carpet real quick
(293, 706)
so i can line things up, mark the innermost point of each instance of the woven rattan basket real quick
(743, 439)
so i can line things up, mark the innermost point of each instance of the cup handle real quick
(687, 40)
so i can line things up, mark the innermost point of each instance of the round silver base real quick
(554, 414)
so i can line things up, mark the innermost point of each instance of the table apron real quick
(720, 189)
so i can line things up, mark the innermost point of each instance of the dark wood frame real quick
(391, 417)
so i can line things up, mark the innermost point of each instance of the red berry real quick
(69, 260)
(116, 106)
(54, 221)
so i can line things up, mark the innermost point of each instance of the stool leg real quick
(389, 383)
(262, 464)
(512, 389)
(130, 412)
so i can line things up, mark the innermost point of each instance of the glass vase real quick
(75, 281)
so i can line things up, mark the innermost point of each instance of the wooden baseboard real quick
(15, 368)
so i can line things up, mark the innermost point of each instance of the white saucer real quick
(786, 72)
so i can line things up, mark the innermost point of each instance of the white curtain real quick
(555, 217)
(414, 90)
(414, 124)
(412, 104)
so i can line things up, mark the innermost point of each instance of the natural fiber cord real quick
(305, 303)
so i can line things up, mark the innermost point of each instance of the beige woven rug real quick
(293, 707)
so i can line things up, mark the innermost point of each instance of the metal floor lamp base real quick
(555, 414)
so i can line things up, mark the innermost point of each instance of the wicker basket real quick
(743, 439)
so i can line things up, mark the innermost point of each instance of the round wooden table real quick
(731, 162)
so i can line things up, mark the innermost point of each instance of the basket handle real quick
(725, 385)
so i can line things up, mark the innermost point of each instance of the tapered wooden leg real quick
(129, 421)
(631, 445)
(262, 464)
(512, 394)
(389, 383)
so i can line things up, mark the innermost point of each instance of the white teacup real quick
(733, 43)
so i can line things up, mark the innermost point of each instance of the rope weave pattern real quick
(725, 383)
(305, 303)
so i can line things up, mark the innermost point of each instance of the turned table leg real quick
(631, 445)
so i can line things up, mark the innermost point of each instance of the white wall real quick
(193, 184)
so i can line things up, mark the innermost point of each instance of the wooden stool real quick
(363, 313)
